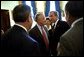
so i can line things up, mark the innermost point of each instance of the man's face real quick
(68, 18)
(30, 21)
(52, 17)
(42, 20)
(48, 22)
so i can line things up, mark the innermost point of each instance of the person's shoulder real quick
(62, 21)
(69, 34)
(33, 30)
(78, 22)
(32, 40)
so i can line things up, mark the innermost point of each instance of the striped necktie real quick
(44, 37)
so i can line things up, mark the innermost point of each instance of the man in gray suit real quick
(71, 42)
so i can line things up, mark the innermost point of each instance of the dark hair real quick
(47, 18)
(21, 13)
(75, 8)
(55, 13)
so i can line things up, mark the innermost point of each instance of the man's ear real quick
(68, 15)
(27, 20)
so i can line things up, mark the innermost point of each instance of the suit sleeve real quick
(64, 48)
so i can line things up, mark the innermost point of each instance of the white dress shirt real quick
(55, 23)
(44, 31)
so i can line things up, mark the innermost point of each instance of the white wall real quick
(62, 5)
(8, 4)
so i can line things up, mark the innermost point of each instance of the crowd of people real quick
(49, 37)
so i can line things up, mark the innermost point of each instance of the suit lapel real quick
(39, 35)
(58, 24)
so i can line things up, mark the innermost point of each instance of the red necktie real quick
(44, 37)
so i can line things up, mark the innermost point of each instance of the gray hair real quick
(37, 16)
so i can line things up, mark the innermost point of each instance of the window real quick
(52, 5)
(29, 4)
(40, 6)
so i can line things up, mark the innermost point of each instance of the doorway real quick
(5, 20)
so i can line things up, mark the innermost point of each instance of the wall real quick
(62, 5)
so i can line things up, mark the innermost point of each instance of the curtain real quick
(33, 7)
(57, 6)
(47, 8)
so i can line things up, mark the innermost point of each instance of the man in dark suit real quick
(58, 27)
(36, 33)
(16, 41)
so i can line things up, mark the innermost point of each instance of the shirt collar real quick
(76, 21)
(55, 23)
(21, 27)
(39, 27)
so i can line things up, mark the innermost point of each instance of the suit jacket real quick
(55, 35)
(36, 34)
(71, 42)
(17, 42)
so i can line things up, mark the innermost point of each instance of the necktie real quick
(53, 28)
(44, 37)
